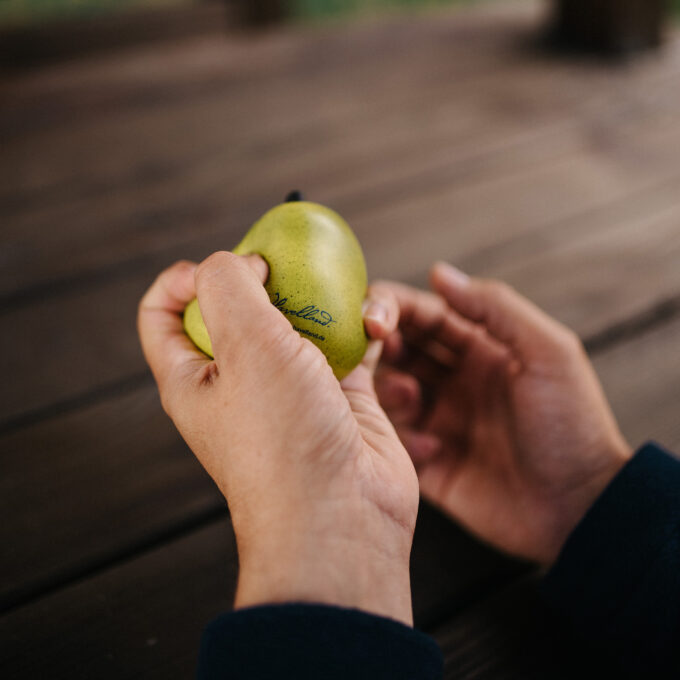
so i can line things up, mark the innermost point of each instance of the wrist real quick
(346, 571)
(614, 457)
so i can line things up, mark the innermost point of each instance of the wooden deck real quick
(447, 136)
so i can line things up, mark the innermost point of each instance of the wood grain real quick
(511, 635)
(93, 210)
(113, 622)
(90, 329)
(142, 482)
(146, 615)
(645, 370)
(618, 26)
(566, 266)
(88, 486)
(441, 138)
(141, 619)
(131, 162)
(42, 43)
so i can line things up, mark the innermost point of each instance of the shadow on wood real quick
(609, 26)
(41, 43)
(262, 12)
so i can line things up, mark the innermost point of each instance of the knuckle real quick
(182, 266)
(497, 290)
(173, 270)
(213, 264)
(441, 307)
(572, 342)
(309, 355)
(382, 285)
(280, 340)
(492, 294)
(285, 350)
(383, 294)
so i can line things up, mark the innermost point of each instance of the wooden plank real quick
(567, 269)
(29, 46)
(428, 190)
(263, 12)
(151, 178)
(252, 79)
(88, 486)
(378, 171)
(219, 199)
(161, 200)
(603, 269)
(615, 26)
(645, 371)
(214, 67)
(132, 620)
(582, 186)
(598, 270)
(464, 226)
(89, 450)
(123, 462)
(450, 570)
(140, 619)
(145, 616)
(91, 331)
(512, 635)
(59, 348)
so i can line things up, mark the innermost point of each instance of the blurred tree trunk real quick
(262, 12)
(618, 26)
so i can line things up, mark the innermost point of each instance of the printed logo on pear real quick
(317, 279)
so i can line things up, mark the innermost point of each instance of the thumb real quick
(507, 316)
(381, 318)
(233, 302)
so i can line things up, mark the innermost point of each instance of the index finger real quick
(429, 314)
(159, 321)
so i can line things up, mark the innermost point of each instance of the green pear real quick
(317, 279)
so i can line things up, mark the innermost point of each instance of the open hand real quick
(500, 410)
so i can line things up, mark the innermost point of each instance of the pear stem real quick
(294, 196)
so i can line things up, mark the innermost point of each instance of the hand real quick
(501, 412)
(322, 495)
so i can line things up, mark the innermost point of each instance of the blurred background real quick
(31, 11)
(537, 141)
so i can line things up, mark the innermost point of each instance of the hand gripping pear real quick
(317, 279)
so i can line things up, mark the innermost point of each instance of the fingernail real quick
(452, 275)
(376, 312)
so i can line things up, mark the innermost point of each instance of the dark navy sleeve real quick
(305, 641)
(617, 580)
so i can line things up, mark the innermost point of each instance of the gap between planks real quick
(138, 599)
(605, 354)
(93, 313)
(551, 88)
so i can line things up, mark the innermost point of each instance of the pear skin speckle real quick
(317, 279)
